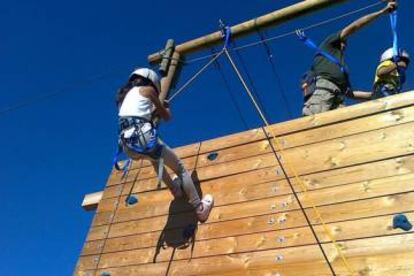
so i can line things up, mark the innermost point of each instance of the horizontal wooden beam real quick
(90, 201)
(271, 19)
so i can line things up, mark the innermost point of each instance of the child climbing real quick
(390, 73)
(138, 105)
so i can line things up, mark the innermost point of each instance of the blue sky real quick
(59, 148)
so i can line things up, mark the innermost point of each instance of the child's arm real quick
(361, 95)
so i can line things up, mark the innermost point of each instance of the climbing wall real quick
(356, 164)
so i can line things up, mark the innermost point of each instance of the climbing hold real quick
(131, 200)
(402, 222)
(105, 274)
(212, 156)
(188, 231)
(271, 221)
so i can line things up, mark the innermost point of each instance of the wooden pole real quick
(265, 21)
(168, 80)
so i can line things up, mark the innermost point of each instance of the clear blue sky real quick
(57, 149)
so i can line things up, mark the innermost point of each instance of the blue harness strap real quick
(308, 42)
(395, 49)
(115, 163)
(225, 34)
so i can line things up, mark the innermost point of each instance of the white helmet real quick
(389, 54)
(148, 74)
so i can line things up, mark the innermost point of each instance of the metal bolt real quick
(285, 204)
(271, 221)
(281, 239)
(279, 258)
(282, 220)
(278, 171)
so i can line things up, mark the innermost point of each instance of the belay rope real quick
(277, 147)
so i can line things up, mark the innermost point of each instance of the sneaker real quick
(176, 189)
(203, 210)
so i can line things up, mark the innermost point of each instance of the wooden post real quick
(168, 80)
(166, 59)
(265, 21)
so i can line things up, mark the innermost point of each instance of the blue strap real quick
(395, 49)
(308, 42)
(124, 168)
(226, 35)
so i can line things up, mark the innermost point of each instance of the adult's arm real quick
(363, 21)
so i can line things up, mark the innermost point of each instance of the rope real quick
(250, 79)
(270, 55)
(297, 178)
(318, 24)
(185, 85)
(230, 92)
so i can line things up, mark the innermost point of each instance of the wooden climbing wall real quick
(357, 164)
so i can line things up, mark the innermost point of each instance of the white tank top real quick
(135, 104)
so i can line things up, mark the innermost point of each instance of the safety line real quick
(270, 55)
(297, 178)
(195, 76)
(293, 32)
(231, 94)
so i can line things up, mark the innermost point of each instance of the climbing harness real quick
(308, 42)
(139, 136)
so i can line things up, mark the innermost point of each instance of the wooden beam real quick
(90, 201)
(271, 19)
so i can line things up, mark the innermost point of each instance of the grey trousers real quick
(172, 161)
(323, 100)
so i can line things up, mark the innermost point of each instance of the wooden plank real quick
(357, 173)
(373, 254)
(146, 246)
(330, 195)
(324, 119)
(330, 213)
(164, 207)
(359, 191)
(97, 232)
(209, 230)
(239, 262)
(347, 128)
(392, 204)
(393, 141)
(239, 188)
(377, 256)
(357, 149)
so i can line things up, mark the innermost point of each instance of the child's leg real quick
(172, 161)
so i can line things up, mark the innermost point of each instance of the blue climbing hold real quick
(212, 156)
(131, 200)
(105, 274)
(402, 222)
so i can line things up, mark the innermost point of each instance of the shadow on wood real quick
(183, 236)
